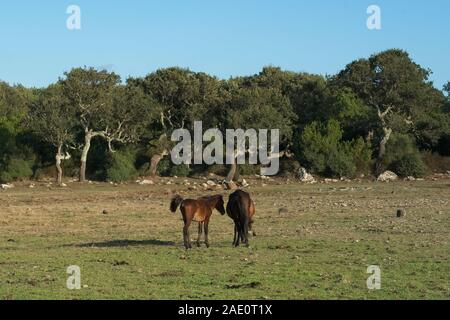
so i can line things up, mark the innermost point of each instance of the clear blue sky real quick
(222, 37)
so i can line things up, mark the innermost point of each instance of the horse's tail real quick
(243, 220)
(175, 203)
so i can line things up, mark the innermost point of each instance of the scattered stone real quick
(231, 185)
(145, 182)
(6, 186)
(387, 176)
(283, 211)
(410, 178)
(244, 183)
(304, 176)
(211, 183)
(63, 185)
(105, 211)
(401, 213)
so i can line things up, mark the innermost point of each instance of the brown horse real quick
(199, 210)
(241, 209)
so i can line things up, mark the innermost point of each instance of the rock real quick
(400, 213)
(231, 185)
(105, 211)
(331, 180)
(387, 176)
(211, 183)
(6, 186)
(145, 182)
(410, 178)
(63, 185)
(283, 211)
(304, 176)
(244, 183)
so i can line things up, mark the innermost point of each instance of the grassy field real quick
(319, 249)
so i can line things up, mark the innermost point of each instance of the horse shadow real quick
(127, 243)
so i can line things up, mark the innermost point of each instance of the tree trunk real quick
(156, 159)
(382, 150)
(84, 155)
(232, 172)
(59, 157)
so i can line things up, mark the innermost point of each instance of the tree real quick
(258, 108)
(393, 85)
(53, 120)
(14, 101)
(91, 93)
(182, 97)
(132, 110)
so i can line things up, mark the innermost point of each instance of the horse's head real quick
(220, 205)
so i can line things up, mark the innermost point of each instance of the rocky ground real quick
(314, 240)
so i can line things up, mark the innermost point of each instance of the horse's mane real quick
(210, 199)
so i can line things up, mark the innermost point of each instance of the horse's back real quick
(238, 200)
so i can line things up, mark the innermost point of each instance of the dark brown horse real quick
(241, 209)
(200, 211)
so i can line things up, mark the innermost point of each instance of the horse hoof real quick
(198, 245)
(207, 245)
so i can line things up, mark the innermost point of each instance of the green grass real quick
(319, 250)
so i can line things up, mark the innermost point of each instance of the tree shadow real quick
(126, 243)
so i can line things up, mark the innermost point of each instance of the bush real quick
(248, 169)
(17, 169)
(409, 165)
(436, 163)
(324, 152)
(403, 157)
(181, 170)
(121, 167)
(164, 167)
(289, 167)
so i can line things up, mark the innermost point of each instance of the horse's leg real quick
(206, 233)
(187, 238)
(236, 235)
(200, 231)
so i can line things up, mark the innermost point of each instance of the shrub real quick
(409, 165)
(181, 170)
(340, 163)
(218, 169)
(248, 169)
(403, 157)
(163, 167)
(17, 169)
(289, 167)
(324, 152)
(436, 163)
(121, 167)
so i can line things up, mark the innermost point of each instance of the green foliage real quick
(324, 152)
(436, 162)
(164, 167)
(17, 169)
(181, 170)
(403, 157)
(248, 169)
(121, 167)
(289, 167)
